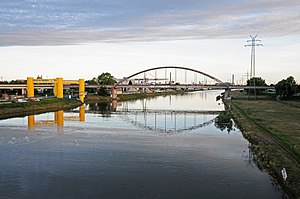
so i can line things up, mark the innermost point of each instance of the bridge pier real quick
(60, 87)
(81, 90)
(227, 93)
(24, 91)
(30, 87)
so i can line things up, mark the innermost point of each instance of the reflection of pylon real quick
(253, 44)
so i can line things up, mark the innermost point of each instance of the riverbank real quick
(27, 108)
(273, 128)
(127, 97)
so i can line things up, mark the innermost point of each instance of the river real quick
(163, 147)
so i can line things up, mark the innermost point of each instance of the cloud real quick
(60, 22)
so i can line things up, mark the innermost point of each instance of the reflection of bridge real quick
(170, 122)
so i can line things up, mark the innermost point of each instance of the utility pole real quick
(253, 43)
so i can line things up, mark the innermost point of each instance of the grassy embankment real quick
(45, 105)
(273, 128)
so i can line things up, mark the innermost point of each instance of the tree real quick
(92, 81)
(255, 81)
(106, 79)
(17, 82)
(103, 79)
(286, 88)
(103, 91)
(4, 82)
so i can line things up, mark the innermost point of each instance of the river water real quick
(164, 147)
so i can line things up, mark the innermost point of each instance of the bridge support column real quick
(227, 93)
(55, 88)
(60, 87)
(114, 93)
(30, 87)
(23, 91)
(81, 90)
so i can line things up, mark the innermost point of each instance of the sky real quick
(82, 38)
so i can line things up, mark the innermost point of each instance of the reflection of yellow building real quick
(59, 119)
(82, 113)
(58, 86)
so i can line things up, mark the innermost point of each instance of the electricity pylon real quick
(253, 44)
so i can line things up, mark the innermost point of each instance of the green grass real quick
(273, 127)
(24, 108)
(47, 101)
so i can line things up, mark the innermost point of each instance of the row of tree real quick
(285, 88)
(13, 82)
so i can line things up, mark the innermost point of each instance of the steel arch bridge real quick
(166, 67)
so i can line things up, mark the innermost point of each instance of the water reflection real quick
(168, 121)
(160, 120)
(224, 121)
(200, 100)
(104, 108)
(58, 120)
(97, 158)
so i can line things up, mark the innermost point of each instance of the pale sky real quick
(81, 39)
